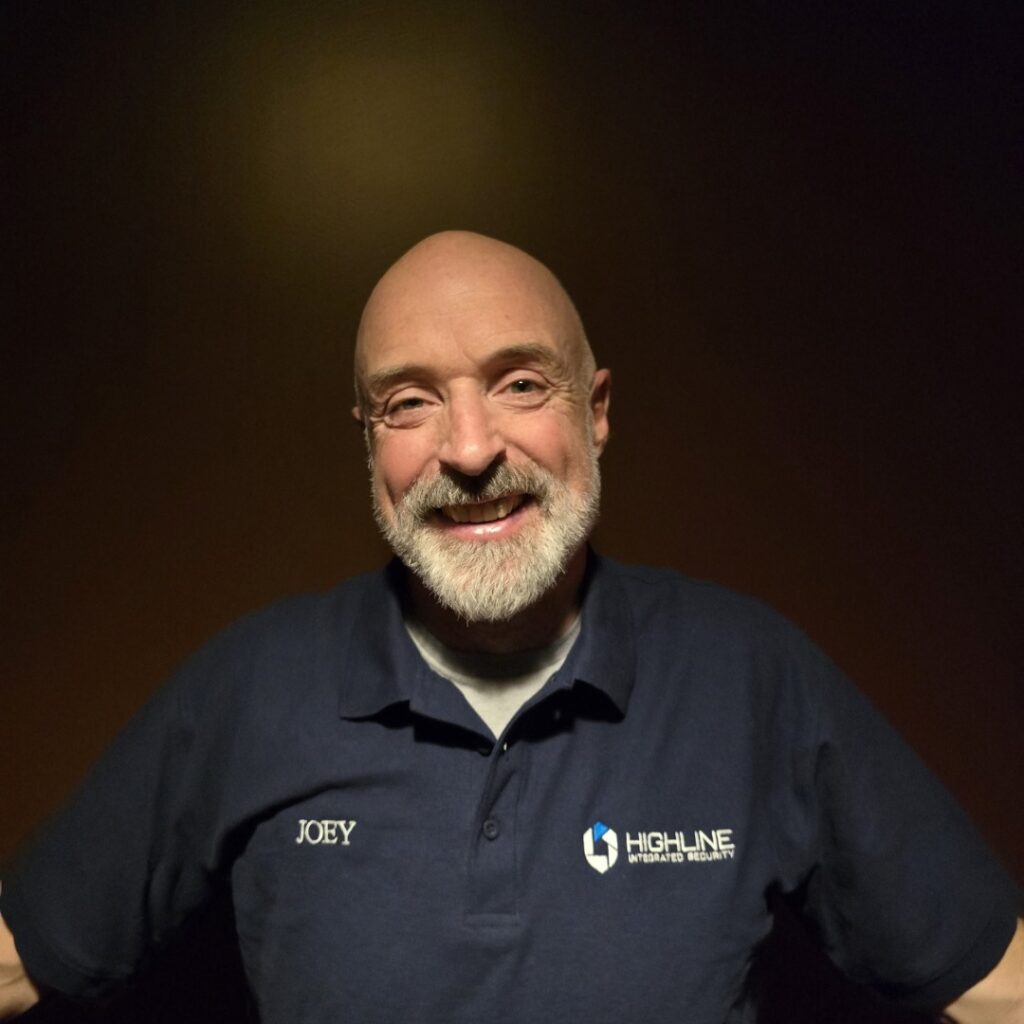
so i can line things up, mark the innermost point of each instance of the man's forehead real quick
(474, 327)
(476, 323)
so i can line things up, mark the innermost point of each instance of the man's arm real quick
(17, 993)
(999, 997)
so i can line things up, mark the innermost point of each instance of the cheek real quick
(398, 462)
(560, 444)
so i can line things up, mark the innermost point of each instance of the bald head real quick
(456, 273)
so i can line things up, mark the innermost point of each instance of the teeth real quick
(485, 512)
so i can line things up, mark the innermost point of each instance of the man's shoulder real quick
(659, 595)
(301, 637)
(294, 615)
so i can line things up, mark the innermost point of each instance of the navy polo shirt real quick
(607, 859)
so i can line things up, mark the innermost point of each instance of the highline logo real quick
(603, 857)
(696, 846)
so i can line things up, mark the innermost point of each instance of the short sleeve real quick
(905, 895)
(132, 856)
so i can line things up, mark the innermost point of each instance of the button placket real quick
(492, 868)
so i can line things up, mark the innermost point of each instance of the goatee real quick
(492, 580)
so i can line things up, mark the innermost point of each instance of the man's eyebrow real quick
(384, 379)
(529, 352)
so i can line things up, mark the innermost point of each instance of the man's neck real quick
(541, 623)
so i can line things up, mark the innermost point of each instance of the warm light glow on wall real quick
(367, 124)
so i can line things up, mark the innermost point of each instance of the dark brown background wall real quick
(792, 232)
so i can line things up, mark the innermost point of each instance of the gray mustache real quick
(427, 495)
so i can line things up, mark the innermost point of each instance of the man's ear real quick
(357, 415)
(600, 401)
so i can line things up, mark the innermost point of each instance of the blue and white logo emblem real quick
(600, 858)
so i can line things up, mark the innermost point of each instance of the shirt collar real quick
(381, 665)
(605, 655)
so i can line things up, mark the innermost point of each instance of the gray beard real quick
(492, 580)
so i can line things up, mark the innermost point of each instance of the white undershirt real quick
(495, 685)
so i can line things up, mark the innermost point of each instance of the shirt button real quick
(491, 828)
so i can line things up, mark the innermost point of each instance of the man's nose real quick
(473, 439)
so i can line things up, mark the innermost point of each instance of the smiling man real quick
(506, 778)
(485, 418)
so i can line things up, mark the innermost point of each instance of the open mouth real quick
(483, 511)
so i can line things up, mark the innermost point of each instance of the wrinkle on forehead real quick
(448, 272)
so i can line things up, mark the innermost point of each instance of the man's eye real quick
(406, 412)
(524, 391)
